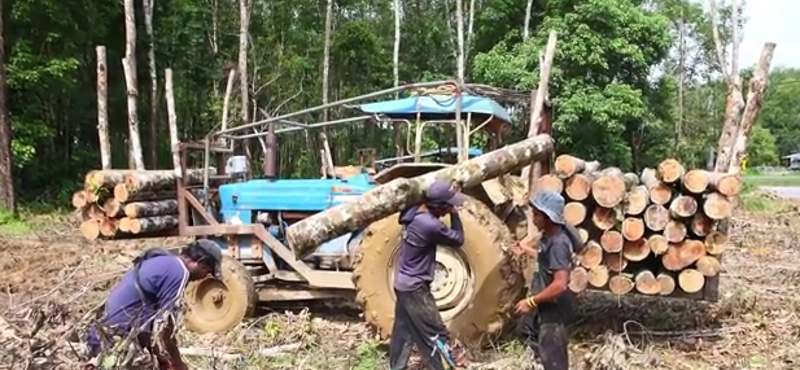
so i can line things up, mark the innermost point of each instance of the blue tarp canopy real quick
(437, 105)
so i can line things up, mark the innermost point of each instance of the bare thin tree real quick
(129, 65)
(102, 109)
(396, 70)
(460, 33)
(526, 31)
(244, 26)
(151, 62)
(6, 180)
(326, 57)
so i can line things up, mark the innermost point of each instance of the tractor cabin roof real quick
(442, 107)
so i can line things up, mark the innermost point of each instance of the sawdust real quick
(50, 281)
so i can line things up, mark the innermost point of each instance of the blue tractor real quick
(474, 285)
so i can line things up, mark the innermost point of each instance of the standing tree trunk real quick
(129, 66)
(396, 70)
(151, 61)
(214, 27)
(681, 46)
(244, 25)
(527, 27)
(470, 30)
(102, 108)
(173, 123)
(326, 59)
(460, 34)
(6, 181)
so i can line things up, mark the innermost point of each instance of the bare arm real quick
(554, 290)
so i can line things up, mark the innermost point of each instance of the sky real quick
(770, 20)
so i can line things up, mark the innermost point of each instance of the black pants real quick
(547, 338)
(417, 321)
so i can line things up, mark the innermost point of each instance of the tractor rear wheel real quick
(217, 306)
(475, 286)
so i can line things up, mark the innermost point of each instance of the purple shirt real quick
(422, 233)
(163, 277)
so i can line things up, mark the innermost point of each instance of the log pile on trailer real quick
(115, 204)
(654, 233)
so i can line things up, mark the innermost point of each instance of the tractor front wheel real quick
(217, 306)
(475, 285)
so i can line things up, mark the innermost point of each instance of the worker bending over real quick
(548, 309)
(146, 301)
(416, 318)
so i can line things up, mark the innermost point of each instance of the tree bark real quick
(682, 255)
(592, 255)
(604, 218)
(666, 284)
(470, 29)
(683, 206)
(755, 96)
(716, 206)
(152, 224)
(612, 241)
(123, 195)
(537, 106)
(151, 61)
(102, 109)
(620, 284)
(670, 171)
(161, 179)
(658, 244)
(132, 83)
(637, 201)
(646, 283)
(106, 179)
(598, 276)
(696, 181)
(609, 188)
(681, 55)
(660, 193)
(173, 124)
(574, 213)
(656, 217)
(708, 266)
(726, 184)
(527, 27)
(396, 56)
(149, 209)
(385, 200)
(636, 250)
(6, 179)
(633, 228)
(244, 89)
(326, 58)
(690, 280)
(578, 279)
(460, 35)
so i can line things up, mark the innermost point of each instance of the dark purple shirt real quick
(421, 234)
(163, 277)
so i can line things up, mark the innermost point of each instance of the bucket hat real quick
(551, 204)
(213, 251)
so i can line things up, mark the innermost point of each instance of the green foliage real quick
(368, 356)
(781, 111)
(761, 148)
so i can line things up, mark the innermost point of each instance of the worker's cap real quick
(442, 192)
(551, 204)
(212, 252)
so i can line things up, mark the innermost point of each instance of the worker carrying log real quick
(417, 320)
(146, 301)
(548, 309)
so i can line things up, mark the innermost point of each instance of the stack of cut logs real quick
(115, 204)
(654, 233)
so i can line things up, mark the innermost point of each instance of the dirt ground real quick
(50, 279)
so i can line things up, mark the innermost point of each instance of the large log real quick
(90, 229)
(609, 188)
(550, 182)
(708, 266)
(646, 283)
(658, 244)
(109, 227)
(612, 241)
(583, 234)
(656, 217)
(578, 187)
(574, 213)
(598, 276)
(304, 236)
(633, 228)
(701, 225)
(151, 224)
(691, 280)
(660, 193)
(79, 199)
(725, 183)
(680, 256)
(716, 206)
(636, 250)
(567, 166)
(637, 201)
(683, 206)
(147, 209)
(696, 181)
(98, 179)
(670, 171)
(156, 180)
(620, 284)
(716, 243)
(592, 255)
(113, 208)
(667, 283)
(615, 262)
(604, 218)
(675, 231)
(578, 279)
(123, 195)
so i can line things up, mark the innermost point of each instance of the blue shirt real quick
(421, 234)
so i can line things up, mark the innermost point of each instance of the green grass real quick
(772, 180)
(755, 201)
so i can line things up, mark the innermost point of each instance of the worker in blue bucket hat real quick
(548, 308)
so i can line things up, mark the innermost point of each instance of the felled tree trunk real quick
(616, 262)
(683, 206)
(567, 166)
(609, 188)
(691, 280)
(578, 279)
(79, 199)
(636, 250)
(670, 171)
(633, 228)
(90, 229)
(549, 182)
(151, 224)
(612, 241)
(638, 200)
(656, 217)
(680, 256)
(708, 266)
(584, 235)
(574, 213)
(716, 243)
(646, 283)
(696, 181)
(666, 283)
(675, 231)
(604, 218)
(598, 276)
(113, 208)
(620, 284)
(701, 225)
(123, 195)
(717, 207)
(724, 183)
(385, 200)
(578, 187)
(162, 179)
(109, 227)
(657, 244)
(660, 193)
(147, 209)
(96, 180)
(592, 255)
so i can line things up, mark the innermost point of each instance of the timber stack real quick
(117, 204)
(654, 233)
